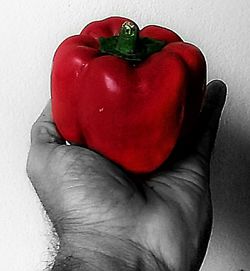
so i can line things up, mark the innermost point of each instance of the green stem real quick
(128, 38)
(128, 45)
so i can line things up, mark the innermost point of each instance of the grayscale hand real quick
(108, 219)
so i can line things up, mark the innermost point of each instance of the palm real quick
(93, 195)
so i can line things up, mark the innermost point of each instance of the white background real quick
(30, 31)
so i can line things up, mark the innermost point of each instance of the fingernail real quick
(43, 130)
(45, 135)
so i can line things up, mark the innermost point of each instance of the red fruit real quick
(120, 98)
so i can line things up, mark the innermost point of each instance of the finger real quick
(44, 130)
(210, 117)
(44, 138)
(194, 154)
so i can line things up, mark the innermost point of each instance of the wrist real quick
(100, 251)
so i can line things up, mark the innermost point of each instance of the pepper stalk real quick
(129, 45)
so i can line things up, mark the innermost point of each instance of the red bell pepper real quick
(126, 93)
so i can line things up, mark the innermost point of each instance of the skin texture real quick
(108, 219)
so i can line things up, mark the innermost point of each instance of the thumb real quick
(44, 139)
(44, 130)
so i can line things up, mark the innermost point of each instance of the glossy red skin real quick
(133, 115)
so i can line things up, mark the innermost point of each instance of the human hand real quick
(108, 219)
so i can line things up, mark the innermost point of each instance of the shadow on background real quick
(230, 185)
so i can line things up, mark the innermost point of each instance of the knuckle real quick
(34, 130)
(30, 166)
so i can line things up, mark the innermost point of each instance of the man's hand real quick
(108, 219)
